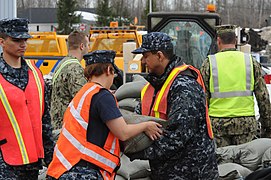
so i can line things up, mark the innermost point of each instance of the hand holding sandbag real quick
(153, 131)
(141, 141)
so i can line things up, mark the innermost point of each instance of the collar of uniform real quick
(7, 69)
(71, 57)
(228, 49)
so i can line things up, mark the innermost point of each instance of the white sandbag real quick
(128, 104)
(137, 77)
(266, 159)
(140, 141)
(232, 170)
(248, 155)
(119, 177)
(133, 170)
(130, 90)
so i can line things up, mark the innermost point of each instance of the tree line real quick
(245, 13)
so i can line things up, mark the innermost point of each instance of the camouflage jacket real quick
(261, 94)
(185, 150)
(19, 78)
(68, 82)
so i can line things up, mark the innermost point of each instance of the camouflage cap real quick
(154, 41)
(101, 56)
(225, 28)
(15, 28)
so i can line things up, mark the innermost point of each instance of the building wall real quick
(8, 9)
(42, 27)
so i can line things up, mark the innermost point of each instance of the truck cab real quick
(112, 38)
(46, 49)
(193, 34)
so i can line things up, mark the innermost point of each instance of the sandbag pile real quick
(128, 95)
(231, 171)
(241, 160)
(137, 169)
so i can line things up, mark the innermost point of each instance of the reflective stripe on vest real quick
(73, 138)
(159, 108)
(14, 124)
(38, 83)
(168, 81)
(69, 61)
(229, 87)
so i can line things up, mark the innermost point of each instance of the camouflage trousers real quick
(226, 140)
(10, 173)
(80, 172)
(234, 131)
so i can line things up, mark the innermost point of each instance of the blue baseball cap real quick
(15, 28)
(101, 56)
(154, 41)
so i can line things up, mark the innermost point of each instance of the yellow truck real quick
(112, 38)
(46, 49)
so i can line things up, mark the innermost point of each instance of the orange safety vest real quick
(159, 108)
(72, 145)
(21, 119)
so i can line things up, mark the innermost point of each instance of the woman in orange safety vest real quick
(88, 145)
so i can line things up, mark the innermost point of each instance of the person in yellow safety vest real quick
(232, 78)
(175, 92)
(25, 128)
(88, 145)
(68, 77)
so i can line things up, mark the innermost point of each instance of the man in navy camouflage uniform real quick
(185, 150)
(236, 123)
(13, 37)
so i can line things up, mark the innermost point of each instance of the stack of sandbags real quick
(128, 95)
(249, 155)
(136, 169)
(266, 159)
(231, 171)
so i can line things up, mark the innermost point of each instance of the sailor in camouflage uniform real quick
(231, 107)
(186, 149)
(16, 78)
(68, 77)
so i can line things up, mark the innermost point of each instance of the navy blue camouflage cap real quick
(15, 28)
(101, 56)
(154, 41)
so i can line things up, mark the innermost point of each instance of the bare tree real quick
(245, 13)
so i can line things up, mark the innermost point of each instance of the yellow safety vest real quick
(231, 84)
